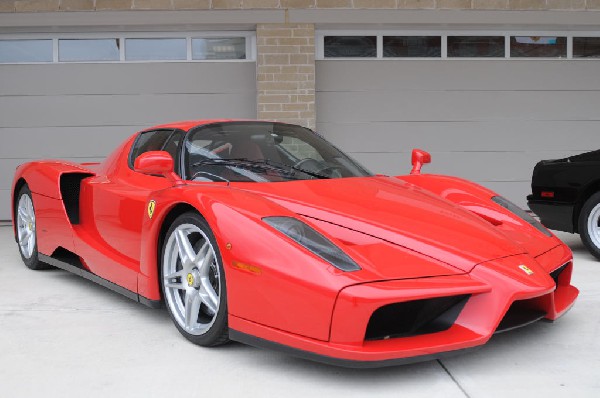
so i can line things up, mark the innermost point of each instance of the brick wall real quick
(90, 5)
(286, 73)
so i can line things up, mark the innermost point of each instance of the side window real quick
(173, 146)
(299, 149)
(149, 141)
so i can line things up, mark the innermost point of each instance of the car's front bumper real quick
(497, 289)
(554, 215)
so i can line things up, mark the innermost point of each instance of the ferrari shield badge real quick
(151, 207)
(526, 269)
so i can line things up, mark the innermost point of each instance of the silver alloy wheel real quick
(192, 279)
(26, 226)
(593, 225)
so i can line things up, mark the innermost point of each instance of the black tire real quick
(32, 262)
(218, 333)
(584, 232)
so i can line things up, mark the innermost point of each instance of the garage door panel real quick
(127, 78)
(557, 136)
(457, 106)
(109, 110)
(41, 142)
(456, 74)
(477, 166)
(5, 204)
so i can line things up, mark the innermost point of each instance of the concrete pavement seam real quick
(453, 379)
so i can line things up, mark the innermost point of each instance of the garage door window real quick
(458, 44)
(476, 46)
(80, 50)
(17, 51)
(350, 46)
(538, 46)
(412, 46)
(219, 48)
(155, 49)
(586, 47)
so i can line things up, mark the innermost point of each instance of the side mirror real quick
(157, 163)
(419, 158)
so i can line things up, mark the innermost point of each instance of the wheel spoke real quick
(176, 285)
(192, 308)
(31, 243)
(201, 254)
(207, 260)
(186, 251)
(29, 204)
(209, 296)
(25, 237)
(23, 214)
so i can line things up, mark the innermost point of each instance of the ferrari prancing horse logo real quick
(151, 207)
(526, 269)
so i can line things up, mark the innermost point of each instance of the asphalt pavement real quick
(63, 336)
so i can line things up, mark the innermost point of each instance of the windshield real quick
(263, 152)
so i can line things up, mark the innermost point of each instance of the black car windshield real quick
(263, 152)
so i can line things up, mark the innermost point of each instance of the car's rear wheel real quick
(193, 281)
(26, 230)
(589, 224)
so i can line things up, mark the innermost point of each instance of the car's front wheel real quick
(193, 281)
(589, 224)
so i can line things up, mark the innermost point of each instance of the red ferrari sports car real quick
(266, 234)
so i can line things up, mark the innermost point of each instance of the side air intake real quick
(70, 189)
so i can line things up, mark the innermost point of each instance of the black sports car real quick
(566, 196)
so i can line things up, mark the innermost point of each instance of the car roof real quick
(187, 125)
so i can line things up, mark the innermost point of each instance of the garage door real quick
(487, 120)
(82, 110)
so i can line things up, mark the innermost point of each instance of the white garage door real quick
(82, 110)
(487, 120)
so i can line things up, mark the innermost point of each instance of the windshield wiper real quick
(310, 173)
(262, 165)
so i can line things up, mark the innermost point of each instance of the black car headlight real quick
(516, 210)
(313, 242)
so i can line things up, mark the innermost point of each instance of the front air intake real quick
(416, 317)
(556, 273)
(522, 313)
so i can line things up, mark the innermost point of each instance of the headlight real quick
(516, 210)
(312, 241)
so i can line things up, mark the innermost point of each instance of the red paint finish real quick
(419, 158)
(414, 237)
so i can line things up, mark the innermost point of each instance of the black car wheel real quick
(589, 224)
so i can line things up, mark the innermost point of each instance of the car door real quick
(120, 202)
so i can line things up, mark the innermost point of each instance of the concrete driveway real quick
(62, 336)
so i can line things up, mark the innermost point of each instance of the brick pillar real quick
(286, 73)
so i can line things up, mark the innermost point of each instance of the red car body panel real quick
(415, 237)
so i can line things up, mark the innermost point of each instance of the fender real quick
(234, 215)
(44, 180)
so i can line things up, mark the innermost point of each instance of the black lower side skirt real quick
(68, 264)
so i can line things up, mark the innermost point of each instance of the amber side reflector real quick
(253, 269)
(547, 194)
